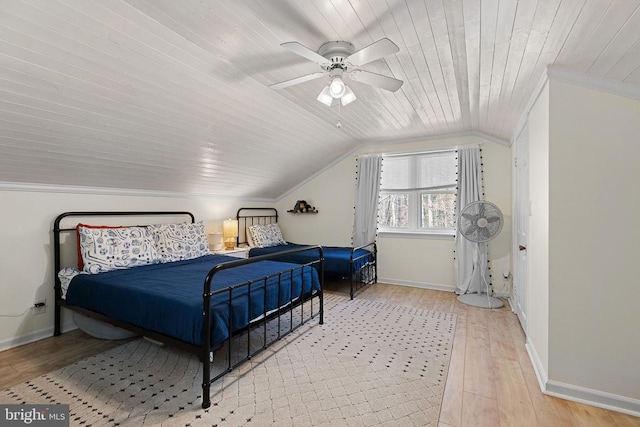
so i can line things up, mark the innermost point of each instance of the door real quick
(522, 212)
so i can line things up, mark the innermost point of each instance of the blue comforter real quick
(337, 259)
(167, 298)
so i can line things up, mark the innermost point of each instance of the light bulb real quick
(337, 87)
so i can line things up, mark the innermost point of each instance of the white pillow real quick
(105, 249)
(181, 241)
(249, 237)
(266, 235)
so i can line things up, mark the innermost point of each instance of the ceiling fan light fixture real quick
(325, 96)
(337, 87)
(348, 96)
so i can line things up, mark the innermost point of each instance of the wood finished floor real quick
(491, 381)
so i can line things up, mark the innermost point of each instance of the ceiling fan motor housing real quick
(336, 52)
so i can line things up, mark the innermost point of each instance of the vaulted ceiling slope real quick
(173, 96)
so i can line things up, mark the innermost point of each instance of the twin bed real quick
(358, 264)
(160, 282)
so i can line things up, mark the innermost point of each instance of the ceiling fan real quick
(339, 59)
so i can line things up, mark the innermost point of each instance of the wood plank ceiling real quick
(173, 95)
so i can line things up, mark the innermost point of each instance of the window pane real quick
(437, 210)
(393, 210)
(437, 170)
(395, 173)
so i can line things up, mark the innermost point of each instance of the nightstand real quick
(235, 252)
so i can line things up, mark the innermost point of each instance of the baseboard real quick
(431, 286)
(592, 397)
(538, 368)
(600, 399)
(35, 336)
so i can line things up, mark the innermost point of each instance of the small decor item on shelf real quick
(303, 207)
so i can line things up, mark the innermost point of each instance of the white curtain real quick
(366, 205)
(471, 258)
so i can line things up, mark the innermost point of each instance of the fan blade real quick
(470, 230)
(297, 80)
(493, 219)
(376, 50)
(377, 80)
(305, 52)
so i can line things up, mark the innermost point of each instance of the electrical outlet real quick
(40, 306)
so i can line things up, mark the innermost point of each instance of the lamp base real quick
(229, 244)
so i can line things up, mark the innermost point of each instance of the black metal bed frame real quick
(360, 277)
(205, 352)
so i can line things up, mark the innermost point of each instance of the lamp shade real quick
(348, 96)
(325, 97)
(230, 228)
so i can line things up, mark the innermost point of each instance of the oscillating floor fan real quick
(480, 222)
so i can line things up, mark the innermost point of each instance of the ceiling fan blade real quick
(297, 80)
(305, 52)
(377, 80)
(376, 50)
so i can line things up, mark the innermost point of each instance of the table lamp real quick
(229, 232)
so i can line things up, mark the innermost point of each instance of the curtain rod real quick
(428, 151)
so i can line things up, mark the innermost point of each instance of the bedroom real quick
(37, 185)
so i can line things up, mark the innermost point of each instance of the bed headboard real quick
(64, 227)
(65, 237)
(253, 216)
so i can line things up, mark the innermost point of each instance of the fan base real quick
(480, 300)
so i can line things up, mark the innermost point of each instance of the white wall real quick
(537, 293)
(583, 332)
(26, 254)
(594, 201)
(332, 193)
(414, 261)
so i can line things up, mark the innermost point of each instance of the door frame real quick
(521, 212)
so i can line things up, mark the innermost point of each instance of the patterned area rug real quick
(371, 363)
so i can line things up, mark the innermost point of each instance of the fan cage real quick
(480, 221)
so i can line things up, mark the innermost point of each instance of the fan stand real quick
(481, 299)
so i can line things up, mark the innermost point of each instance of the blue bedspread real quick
(167, 298)
(336, 258)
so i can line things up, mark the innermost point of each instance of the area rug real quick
(370, 363)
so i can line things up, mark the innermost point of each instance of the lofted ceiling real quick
(174, 96)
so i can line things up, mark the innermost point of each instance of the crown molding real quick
(426, 138)
(627, 90)
(72, 189)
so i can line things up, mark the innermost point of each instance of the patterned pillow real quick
(178, 242)
(266, 235)
(105, 249)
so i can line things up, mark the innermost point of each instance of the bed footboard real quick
(276, 302)
(364, 267)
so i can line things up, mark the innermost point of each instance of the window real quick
(418, 193)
